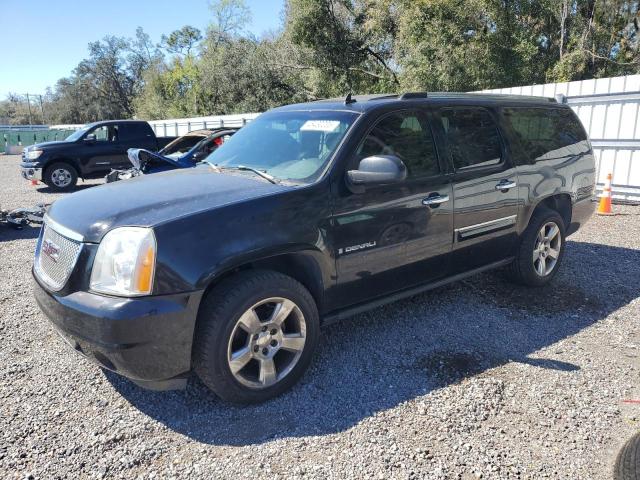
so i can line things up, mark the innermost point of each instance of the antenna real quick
(349, 100)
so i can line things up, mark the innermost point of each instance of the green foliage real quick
(182, 41)
(328, 48)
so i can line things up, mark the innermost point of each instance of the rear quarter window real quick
(135, 131)
(544, 133)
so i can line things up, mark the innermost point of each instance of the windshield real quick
(77, 134)
(181, 145)
(292, 146)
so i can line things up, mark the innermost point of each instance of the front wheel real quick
(61, 177)
(255, 337)
(541, 249)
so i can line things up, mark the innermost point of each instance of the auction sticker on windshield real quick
(320, 125)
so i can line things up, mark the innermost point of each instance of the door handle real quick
(505, 185)
(436, 199)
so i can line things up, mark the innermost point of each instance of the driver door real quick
(105, 152)
(393, 237)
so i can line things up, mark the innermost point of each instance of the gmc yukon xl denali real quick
(89, 152)
(309, 214)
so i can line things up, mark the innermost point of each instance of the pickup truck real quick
(184, 152)
(90, 152)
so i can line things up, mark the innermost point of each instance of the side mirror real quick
(376, 170)
(90, 138)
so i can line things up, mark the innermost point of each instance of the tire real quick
(263, 369)
(627, 466)
(525, 269)
(61, 177)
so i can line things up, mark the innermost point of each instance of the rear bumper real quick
(581, 212)
(145, 339)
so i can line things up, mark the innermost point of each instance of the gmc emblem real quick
(51, 250)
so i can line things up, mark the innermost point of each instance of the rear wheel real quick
(61, 177)
(541, 249)
(256, 334)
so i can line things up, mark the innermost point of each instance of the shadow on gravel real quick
(9, 233)
(378, 360)
(82, 186)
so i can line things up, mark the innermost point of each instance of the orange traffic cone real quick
(604, 208)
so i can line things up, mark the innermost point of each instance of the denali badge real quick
(355, 248)
(51, 250)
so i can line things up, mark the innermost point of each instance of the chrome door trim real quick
(485, 227)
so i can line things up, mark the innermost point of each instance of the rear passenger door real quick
(485, 193)
(134, 135)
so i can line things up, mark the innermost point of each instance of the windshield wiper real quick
(243, 168)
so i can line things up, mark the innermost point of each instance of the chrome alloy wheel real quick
(61, 178)
(266, 343)
(547, 249)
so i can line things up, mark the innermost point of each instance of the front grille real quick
(55, 257)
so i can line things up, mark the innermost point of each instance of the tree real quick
(350, 43)
(597, 39)
(183, 41)
(329, 48)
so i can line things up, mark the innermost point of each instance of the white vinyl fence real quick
(181, 126)
(609, 109)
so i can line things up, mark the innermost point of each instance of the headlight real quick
(33, 154)
(125, 262)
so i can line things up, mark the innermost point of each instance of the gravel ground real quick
(479, 379)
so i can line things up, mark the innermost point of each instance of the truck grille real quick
(56, 256)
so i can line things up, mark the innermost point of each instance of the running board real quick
(364, 307)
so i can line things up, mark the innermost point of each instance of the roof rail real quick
(511, 96)
(411, 95)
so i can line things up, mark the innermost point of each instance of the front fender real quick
(198, 249)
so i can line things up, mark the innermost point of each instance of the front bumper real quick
(32, 173)
(146, 339)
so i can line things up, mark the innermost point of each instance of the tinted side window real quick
(472, 136)
(135, 131)
(540, 131)
(406, 135)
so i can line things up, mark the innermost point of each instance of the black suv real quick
(309, 214)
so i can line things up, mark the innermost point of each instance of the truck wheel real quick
(60, 177)
(541, 249)
(255, 336)
(627, 465)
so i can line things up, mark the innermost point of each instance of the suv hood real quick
(38, 146)
(153, 199)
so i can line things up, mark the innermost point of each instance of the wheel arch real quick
(303, 265)
(559, 202)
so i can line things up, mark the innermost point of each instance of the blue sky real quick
(43, 40)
